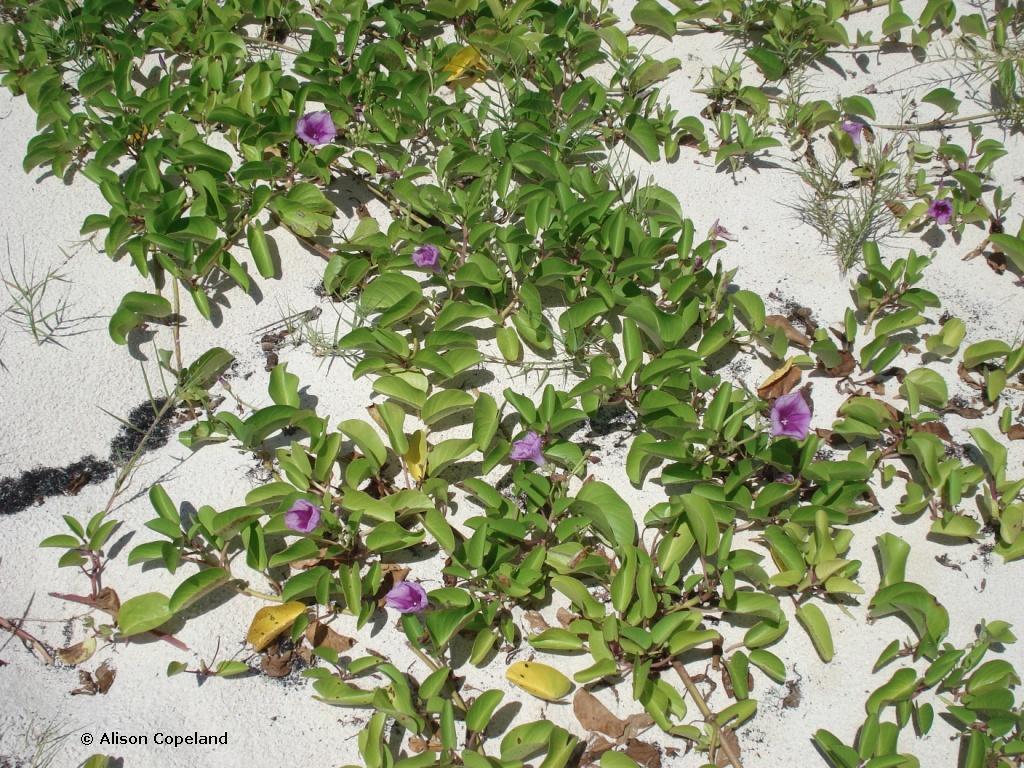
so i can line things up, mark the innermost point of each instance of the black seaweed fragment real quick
(35, 485)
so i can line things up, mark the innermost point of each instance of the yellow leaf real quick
(272, 621)
(540, 680)
(464, 62)
(416, 456)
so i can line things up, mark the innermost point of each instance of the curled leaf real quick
(79, 652)
(780, 382)
(791, 333)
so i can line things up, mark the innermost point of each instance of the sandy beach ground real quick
(58, 403)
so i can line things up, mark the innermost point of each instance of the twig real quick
(271, 44)
(938, 123)
(33, 644)
(260, 595)
(709, 716)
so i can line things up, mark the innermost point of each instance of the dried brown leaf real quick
(780, 382)
(729, 739)
(86, 685)
(826, 434)
(792, 699)
(1015, 432)
(79, 652)
(98, 682)
(845, 367)
(899, 210)
(968, 379)
(320, 635)
(419, 745)
(108, 601)
(936, 428)
(965, 412)
(537, 622)
(597, 745)
(646, 755)
(637, 724)
(104, 677)
(276, 664)
(595, 716)
(778, 321)
(565, 617)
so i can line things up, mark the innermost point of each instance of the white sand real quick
(52, 398)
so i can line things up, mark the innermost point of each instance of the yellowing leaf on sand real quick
(540, 680)
(272, 621)
(464, 65)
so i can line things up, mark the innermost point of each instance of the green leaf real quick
(612, 516)
(259, 247)
(983, 351)
(771, 66)
(770, 664)
(143, 612)
(368, 441)
(508, 344)
(641, 134)
(303, 209)
(1012, 247)
(650, 14)
(485, 421)
(284, 386)
(480, 711)
(859, 105)
(444, 623)
(134, 308)
(195, 587)
(526, 740)
(391, 537)
(944, 99)
(813, 620)
(947, 341)
(445, 403)
(62, 540)
(612, 759)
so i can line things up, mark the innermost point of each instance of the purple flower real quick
(426, 256)
(941, 211)
(528, 449)
(302, 517)
(316, 128)
(407, 597)
(791, 416)
(718, 231)
(853, 129)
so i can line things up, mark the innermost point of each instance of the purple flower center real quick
(941, 211)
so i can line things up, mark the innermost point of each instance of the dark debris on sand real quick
(35, 485)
